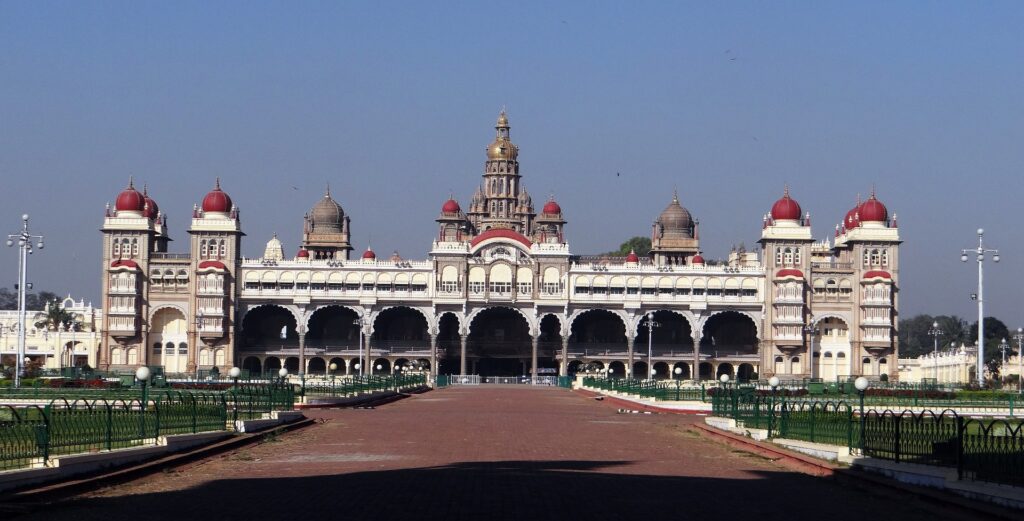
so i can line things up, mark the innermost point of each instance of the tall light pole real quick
(980, 251)
(359, 323)
(935, 333)
(809, 330)
(651, 324)
(1019, 337)
(24, 240)
(1003, 346)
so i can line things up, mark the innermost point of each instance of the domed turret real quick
(130, 200)
(302, 254)
(217, 200)
(697, 260)
(502, 147)
(274, 251)
(632, 258)
(873, 211)
(451, 206)
(551, 208)
(786, 208)
(675, 220)
(369, 255)
(326, 216)
(151, 209)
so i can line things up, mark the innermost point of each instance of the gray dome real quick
(326, 216)
(676, 220)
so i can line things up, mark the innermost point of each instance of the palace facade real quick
(500, 293)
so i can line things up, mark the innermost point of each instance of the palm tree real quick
(55, 317)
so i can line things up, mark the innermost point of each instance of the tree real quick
(641, 245)
(54, 317)
(995, 332)
(9, 299)
(915, 340)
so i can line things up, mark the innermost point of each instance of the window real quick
(788, 256)
(203, 251)
(778, 256)
(501, 288)
(476, 287)
(183, 348)
(525, 288)
(449, 286)
(156, 348)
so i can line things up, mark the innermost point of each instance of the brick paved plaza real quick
(515, 453)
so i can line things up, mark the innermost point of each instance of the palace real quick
(501, 294)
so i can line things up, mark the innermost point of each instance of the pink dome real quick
(786, 209)
(368, 254)
(551, 207)
(302, 254)
(217, 200)
(632, 257)
(130, 200)
(873, 211)
(697, 259)
(451, 206)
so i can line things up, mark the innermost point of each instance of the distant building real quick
(501, 293)
(53, 348)
(956, 365)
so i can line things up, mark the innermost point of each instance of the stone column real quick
(533, 356)
(433, 356)
(193, 351)
(302, 351)
(629, 354)
(367, 364)
(462, 354)
(563, 368)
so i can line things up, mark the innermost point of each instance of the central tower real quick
(501, 200)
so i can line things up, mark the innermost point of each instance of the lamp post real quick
(142, 374)
(1019, 337)
(234, 373)
(732, 396)
(651, 324)
(24, 240)
(1003, 346)
(199, 336)
(980, 251)
(359, 322)
(332, 368)
(283, 373)
(861, 384)
(935, 333)
(773, 382)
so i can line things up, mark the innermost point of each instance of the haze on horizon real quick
(612, 106)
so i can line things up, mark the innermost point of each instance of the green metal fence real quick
(32, 434)
(356, 385)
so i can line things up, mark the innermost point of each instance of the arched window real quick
(135, 247)
(796, 256)
(223, 249)
(875, 260)
(156, 348)
(203, 251)
(788, 256)
(885, 257)
(778, 256)
(867, 258)
(183, 348)
(117, 247)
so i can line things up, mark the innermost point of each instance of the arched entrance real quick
(169, 339)
(616, 369)
(449, 347)
(729, 333)
(267, 329)
(333, 328)
(399, 330)
(599, 333)
(499, 343)
(672, 335)
(681, 371)
(549, 345)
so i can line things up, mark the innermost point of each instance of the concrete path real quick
(479, 453)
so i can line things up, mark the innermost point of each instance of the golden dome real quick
(502, 147)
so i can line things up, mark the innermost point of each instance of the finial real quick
(858, 199)
(675, 195)
(145, 189)
(131, 182)
(327, 192)
(785, 190)
(216, 184)
(872, 190)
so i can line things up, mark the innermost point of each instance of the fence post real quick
(896, 446)
(110, 426)
(959, 447)
(195, 415)
(46, 432)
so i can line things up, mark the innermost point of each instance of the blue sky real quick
(393, 104)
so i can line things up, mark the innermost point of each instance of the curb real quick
(636, 406)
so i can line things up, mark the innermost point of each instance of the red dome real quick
(130, 200)
(632, 257)
(151, 208)
(368, 254)
(877, 274)
(500, 233)
(873, 211)
(697, 259)
(303, 254)
(789, 272)
(551, 207)
(217, 200)
(786, 209)
(124, 263)
(451, 206)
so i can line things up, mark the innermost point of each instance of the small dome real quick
(302, 254)
(217, 200)
(369, 255)
(697, 259)
(873, 210)
(852, 219)
(274, 250)
(552, 208)
(632, 257)
(326, 216)
(151, 209)
(130, 200)
(676, 220)
(451, 206)
(786, 209)
(502, 149)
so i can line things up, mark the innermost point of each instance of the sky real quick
(613, 105)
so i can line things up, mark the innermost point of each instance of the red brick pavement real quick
(513, 453)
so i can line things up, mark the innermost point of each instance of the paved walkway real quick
(479, 453)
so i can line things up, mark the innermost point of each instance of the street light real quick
(234, 373)
(142, 374)
(861, 384)
(1019, 337)
(24, 240)
(935, 333)
(283, 373)
(980, 251)
(1003, 346)
(359, 322)
(773, 382)
(651, 324)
